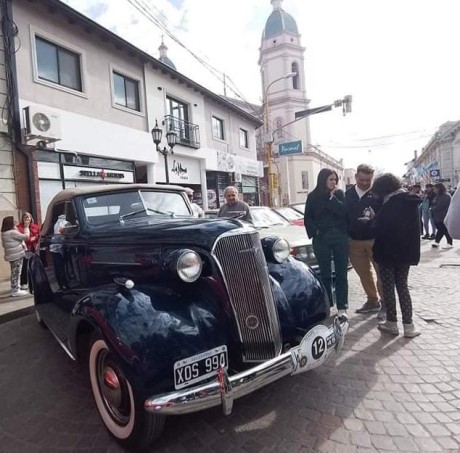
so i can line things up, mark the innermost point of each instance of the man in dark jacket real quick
(361, 203)
(439, 210)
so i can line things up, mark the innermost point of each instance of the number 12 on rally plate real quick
(312, 350)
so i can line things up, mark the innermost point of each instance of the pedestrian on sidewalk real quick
(396, 248)
(15, 249)
(326, 222)
(439, 210)
(427, 218)
(31, 245)
(361, 202)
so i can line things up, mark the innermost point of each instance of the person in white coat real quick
(452, 219)
(15, 250)
(197, 211)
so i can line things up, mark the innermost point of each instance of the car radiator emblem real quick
(252, 322)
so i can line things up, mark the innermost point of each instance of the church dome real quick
(279, 22)
(164, 56)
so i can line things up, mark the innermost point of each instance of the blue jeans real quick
(427, 221)
(333, 244)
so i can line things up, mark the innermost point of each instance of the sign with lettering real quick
(288, 148)
(182, 170)
(97, 174)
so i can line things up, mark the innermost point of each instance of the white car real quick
(269, 223)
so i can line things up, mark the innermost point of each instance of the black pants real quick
(396, 277)
(441, 231)
(25, 270)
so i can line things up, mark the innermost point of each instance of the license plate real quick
(200, 367)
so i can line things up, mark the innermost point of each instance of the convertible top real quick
(69, 194)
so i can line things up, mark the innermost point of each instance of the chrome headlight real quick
(281, 250)
(189, 266)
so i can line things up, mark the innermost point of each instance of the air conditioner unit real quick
(41, 125)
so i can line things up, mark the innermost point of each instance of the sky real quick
(397, 58)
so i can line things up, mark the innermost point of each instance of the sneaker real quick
(389, 327)
(369, 307)
(435, 244)
(25, 287)
(410, 331)
(342, 312)
(19, 293)
(427, 236)
(448, 246)
(432, 236)
(382, 315)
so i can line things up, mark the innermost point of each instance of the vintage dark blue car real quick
(173, 314)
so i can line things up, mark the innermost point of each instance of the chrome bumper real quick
(226, 389)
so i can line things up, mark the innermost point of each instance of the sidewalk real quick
(13, 307)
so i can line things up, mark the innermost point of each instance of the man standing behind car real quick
(361, 203)
(233, 207)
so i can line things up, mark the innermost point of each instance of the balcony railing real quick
(188, 134)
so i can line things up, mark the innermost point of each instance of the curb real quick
(7, 317)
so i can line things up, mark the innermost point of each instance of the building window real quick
(244, 139)
(218, 128)
(295, 79)
(177, 109)
(126, 92)
(305, 180)
(58, 65)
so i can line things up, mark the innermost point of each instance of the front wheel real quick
(122, 414)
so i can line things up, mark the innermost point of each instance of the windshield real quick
(289, 213)
(118, 206)
(266, 217)
(299, 207)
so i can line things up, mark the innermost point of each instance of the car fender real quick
(40, 284)
(300, 297)
(150, 328)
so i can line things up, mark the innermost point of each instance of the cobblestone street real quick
(383, 393)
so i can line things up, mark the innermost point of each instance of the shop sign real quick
(101, 174)
(182, 170)
(230, 163)
(97, 174)
(179, 170)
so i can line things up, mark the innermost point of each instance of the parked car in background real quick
(291, 215)
(299, 207)
(174, 314)
(269, 222)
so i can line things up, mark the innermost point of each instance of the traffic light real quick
(274, 180)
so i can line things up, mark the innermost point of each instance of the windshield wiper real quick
(129, 214)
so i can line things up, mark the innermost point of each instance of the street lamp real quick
(171, 138)
(267, 133)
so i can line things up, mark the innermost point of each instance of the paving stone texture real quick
(382, 393)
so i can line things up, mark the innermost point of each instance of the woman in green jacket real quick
(326, 222)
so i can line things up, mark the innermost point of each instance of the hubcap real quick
(114, 389)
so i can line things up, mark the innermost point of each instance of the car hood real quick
(295, 235)
(190, 231)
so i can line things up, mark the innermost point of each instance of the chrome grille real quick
(242, 263)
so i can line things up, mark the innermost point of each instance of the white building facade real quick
(439, 160)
